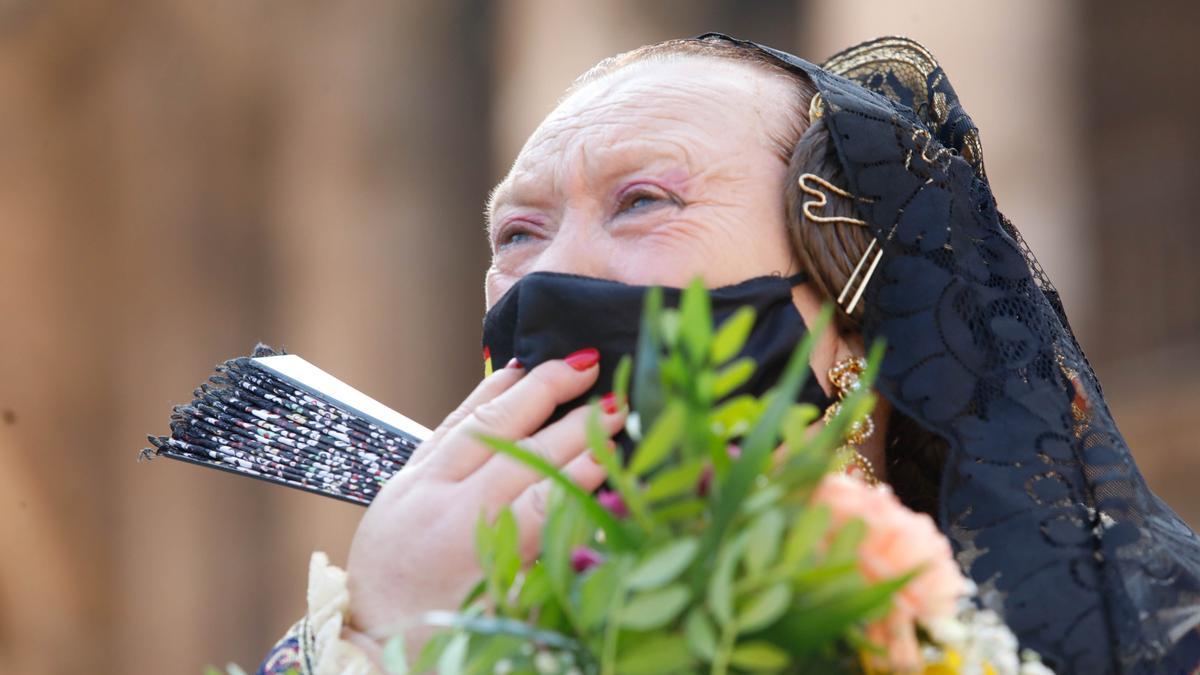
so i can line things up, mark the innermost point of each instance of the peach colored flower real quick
(898, 541)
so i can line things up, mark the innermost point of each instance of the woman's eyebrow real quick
(604, 165)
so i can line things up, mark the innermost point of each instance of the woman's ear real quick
(830, 345)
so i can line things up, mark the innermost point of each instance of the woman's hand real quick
(414, 549)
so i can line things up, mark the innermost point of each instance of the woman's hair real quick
(827, 251)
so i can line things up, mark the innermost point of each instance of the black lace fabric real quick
(1040, 494)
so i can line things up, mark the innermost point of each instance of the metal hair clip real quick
(862, 286)
(821, 200)
(874, 252)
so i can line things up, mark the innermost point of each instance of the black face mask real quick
(549, 315)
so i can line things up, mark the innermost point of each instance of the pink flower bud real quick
(584, 558)
(612, 501)
(705, 483)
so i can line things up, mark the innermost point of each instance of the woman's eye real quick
(513, 237)
(639, 200)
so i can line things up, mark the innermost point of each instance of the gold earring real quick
(846, 377)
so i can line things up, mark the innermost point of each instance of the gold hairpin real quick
(874, 252)
(821, 200)
(862, 286)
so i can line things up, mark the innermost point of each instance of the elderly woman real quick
(787, 185)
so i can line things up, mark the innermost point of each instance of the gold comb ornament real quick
(891, 67)
(878, 63)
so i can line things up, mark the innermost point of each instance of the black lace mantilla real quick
(1040, 495)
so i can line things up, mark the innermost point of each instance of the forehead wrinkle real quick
(633, 153)
(604, 106)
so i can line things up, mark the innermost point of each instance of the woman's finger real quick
(489, 388)
(516, 413)
(529, 508)
(503, 478)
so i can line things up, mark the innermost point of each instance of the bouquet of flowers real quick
(730, 541)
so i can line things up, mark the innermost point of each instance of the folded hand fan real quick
(278, 418)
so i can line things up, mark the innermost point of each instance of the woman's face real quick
(654, 174)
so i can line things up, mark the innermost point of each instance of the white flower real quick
(981, 638)
(545, 663)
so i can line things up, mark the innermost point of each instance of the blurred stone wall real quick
(181, 179)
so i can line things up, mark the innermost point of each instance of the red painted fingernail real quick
(608, 403)
(583, 359)
(513, 363)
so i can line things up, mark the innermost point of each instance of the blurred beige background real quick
(182, 178)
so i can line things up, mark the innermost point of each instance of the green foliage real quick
(722, 565)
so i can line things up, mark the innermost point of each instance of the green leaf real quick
(430, 653)
(659, 441)
(797, 421)
(762, 541)
(664, 565)
(535, 588)
(806, 532)
(675, 480)
(700, 634)
(656, 656)
(599, 589)
(454, 657)
(844, 547)
(695, 319)
(732, 376)
(684, 509)
(393, 656)
(507, 559)
(763, 499)
(617, 535)
(820, 582)
(735, 416)
(764, 608)
(618, 476)
(669, 322)
(477, 591)
(647, 379)
(720, 584)
(762, 439)
(488, 650)
(565, 528)
(811, 626)
(731, 336)
(759, 657)
(702, 384)
(621, 377)
(654, 609)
